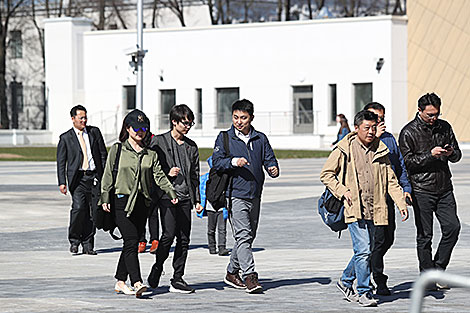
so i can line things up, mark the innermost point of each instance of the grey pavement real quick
(297, 257)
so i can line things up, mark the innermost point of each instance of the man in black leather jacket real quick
(428, 144)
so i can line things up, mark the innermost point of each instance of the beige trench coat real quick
(385, 180)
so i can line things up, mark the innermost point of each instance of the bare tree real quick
(398, 9)
(287, 9)
(101, 10)
(117, 9)
(177, 7)
(8, 9)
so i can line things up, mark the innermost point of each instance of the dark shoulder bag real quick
(331, 209)
(106, 220)
(218, 182)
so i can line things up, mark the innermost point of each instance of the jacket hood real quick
(345, 145)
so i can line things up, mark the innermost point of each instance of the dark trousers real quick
(130, 229)
(384, 235)
(153, 224)
(176, 223)
(216, 219)
(81, 228)
(445, 208)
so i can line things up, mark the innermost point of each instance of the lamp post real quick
(140, 57)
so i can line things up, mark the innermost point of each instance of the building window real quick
(333, 104)
(128, 97)
(17, 96)
(167, 101)
(16, 44)
(17, 102)
(198, 108)
(362, 95)
(225, 98)
(303, 109)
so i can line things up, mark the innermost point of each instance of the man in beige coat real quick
(369, 177)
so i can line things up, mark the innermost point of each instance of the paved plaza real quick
(298, 259)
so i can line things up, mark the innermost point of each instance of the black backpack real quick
(218, 182)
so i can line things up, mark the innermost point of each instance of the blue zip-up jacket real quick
(247, 180)
(396, 160)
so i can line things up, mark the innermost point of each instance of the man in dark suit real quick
(81, 158)
(179, 159)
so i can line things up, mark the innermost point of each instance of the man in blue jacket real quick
(385, 235)
(250, 151)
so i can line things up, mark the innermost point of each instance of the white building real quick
(297, 74)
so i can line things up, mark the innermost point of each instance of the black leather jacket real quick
(427, 173)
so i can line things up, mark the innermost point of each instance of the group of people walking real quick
(380, 174)
(144, 174)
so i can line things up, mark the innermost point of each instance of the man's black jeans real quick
(176, 222)
(384, 235)
(445, 208)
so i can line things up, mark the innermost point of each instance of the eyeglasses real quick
(144, 129)
(431, 116)
(188, 123)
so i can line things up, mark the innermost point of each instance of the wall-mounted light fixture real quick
(379, 65)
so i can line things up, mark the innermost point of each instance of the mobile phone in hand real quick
(408, 201)
(447, 147)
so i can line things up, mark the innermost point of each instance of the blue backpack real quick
(331, 209)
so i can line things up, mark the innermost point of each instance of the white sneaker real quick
(367, 300)
(123, 289)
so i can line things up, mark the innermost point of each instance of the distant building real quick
(298, 74)
(24, 68)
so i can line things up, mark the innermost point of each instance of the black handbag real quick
(106, 220)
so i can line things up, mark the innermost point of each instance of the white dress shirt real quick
(91, 162)
(245, 138)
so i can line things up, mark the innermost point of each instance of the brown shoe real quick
(153, 248)
(234, 280)
(252, 284)
(142, 247)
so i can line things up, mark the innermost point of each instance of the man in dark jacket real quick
(428, 144)
(384, 235)
(250, 151)
(81, 158)
(179, 159)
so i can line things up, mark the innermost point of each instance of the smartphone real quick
(447, 147)
(408, 201)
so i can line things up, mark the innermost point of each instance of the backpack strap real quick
(115, 172)
(230, 183)
(345, 165)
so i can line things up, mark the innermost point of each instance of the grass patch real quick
(28, 154)
(49, 154)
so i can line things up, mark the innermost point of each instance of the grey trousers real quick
(244, 220)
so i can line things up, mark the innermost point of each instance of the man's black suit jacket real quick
(70, 156)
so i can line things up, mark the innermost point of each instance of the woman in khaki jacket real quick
(369, 178)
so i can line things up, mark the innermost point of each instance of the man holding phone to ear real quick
(384, 235)
(428, 144)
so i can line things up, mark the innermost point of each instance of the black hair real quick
(76, 108)
(243, 105)
(124, 134)
(179, 113)
(364, 115)
(375, 106)
(429, 99)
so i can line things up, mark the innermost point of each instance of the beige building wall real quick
(439, 58)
